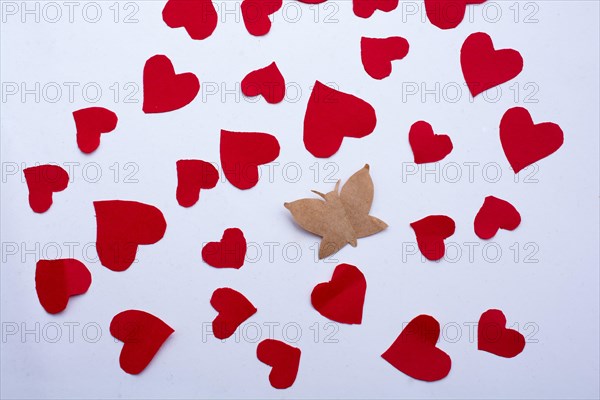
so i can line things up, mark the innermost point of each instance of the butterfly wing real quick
(310, 214)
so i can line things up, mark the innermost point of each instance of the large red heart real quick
(90, 123)
(428, 147)
(243, 152)
(233, 308)
(332, 115)
(198, 17)
(342, 298)
(495, 214)
(495, 338)
(229, 252)
(164, 90)
(267, 82)
(57, 280)
(431, 232)
(121, 227)
(256, 15)
(366, 8)
(142, 335)
(484, 67)
(414, 351)
(447, 14)
(193, 175)
(377, 54)
(284, 360)
(42, 181)
(525, 142)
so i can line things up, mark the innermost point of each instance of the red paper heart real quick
(243, 152)
(121, 227)
(495, 214)
(256, 15)
(484, 67)
(229, 252)
(233, 308)
(193, 175)
(428, 147)
(495, 338)
(414, 351)
(267, 82)
(332, 115)
(525, 142)
(142, 335)
(431, 232)
(198, 17)
(42, 181)
(377, 54)
(447, 14)
(284, 360)
(90, 124)
(342, 298)
(57, 280)
(164, 90)
(366, 8)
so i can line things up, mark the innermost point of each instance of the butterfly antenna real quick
(319, 193)
(337, 186)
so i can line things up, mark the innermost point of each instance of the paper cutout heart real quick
(484, 67)
(121, 227)
(233, 308)
(332, 115)
(142, 335)
(431, 232)
(164, 90)
(414, 351)
(495, 214)
(266, 82)
(495, 338)
(229, 252)
(366, 8)
(192, 176)
(377, 54)
(198, 17)
(42, 181)
(57, 280)
(243, 152)
(90, 124)
(284, 360)
(428, 147)
(342, 298)
(447, 14)
(525, 142)
(256, 15)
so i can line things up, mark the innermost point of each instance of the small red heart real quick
(495, 214)
(198, 17)
(377, 54)
(256, 15)
(121, 227)
(142, 335)
(42, 181)
(57, 280)
(525, 142)
(233, 308)
(431, 232)
(267, 82)
(366, 8)
(428, 147)
(229, 252)
(495, 338)
(284, 360)
(332, 115)
(447, 14)
(193, 175)
(243, 152)
(164, 90)
(414, 351)
(342, 298)
(484, 67)
(90, 124)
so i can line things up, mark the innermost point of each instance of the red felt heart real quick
(233, 308)
(57, 280)
(428, 147)
(484, 67)
(90, 124)
(198, 17)
(332, 115)
(447, 14)
(193, 175)
(495, 338)
(256, 15)
(164, 90)
(366, 8)
(525, 142)
(495, 214)
(229, 252)
(243, 152)
(42, 181)
(431, 232)
(377, 54)
(342, 298)
(414, 351)
(284, 360)
(142, 335)
(121, 227)
(267, 82)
